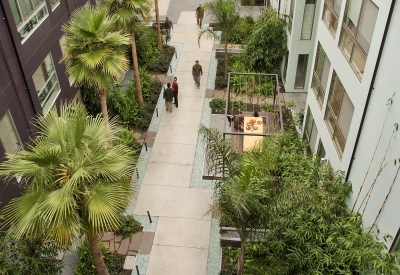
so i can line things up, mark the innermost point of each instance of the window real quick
(357, 30)
(310, 131)
(331, 14)
(320, 74)
(290, 24)
(9, 137)
(46, 83)
(54, 3)
(28, 14)
(301, 71)
(339, 112)
(308, 19)
(285, 68)
(321, 150)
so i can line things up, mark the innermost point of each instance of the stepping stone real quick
(132, 253)
(112, 245)
(151, 134)
(106, 244)
(219, 94)
(118, 238)
(150, 141)
(129, 262)
(107, 236)
(123, 248)
(209, 93)
(147, 242)
(136, 239)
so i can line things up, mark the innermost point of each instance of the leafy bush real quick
(217, 105)
(90, 97)
(33, 257)
(126, 138)
(237, 105)
(124, 105)
(113, 261)
(128, 226)
(221, 82)
(162, 63)
(221, 67)
(146, 46)
(265, 107)
(242, 30)
(144, 119)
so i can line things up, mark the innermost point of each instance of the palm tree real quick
(158, 24)
(76, 182)
(130, 14)
(224, 14)
(93, 51)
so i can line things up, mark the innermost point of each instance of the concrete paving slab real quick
(185, 77)
(209, 93)
(188, 56)
(185, 65)
(172, 153)
(168, 201)
(147, 243)
(190, 101)
(178, 134)
(177, 261)
(180, 232)
(151, 134)
(205, 46)
(159, 173)
(181, 117)
(123, 248)
(150, 141)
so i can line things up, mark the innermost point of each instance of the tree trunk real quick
(158, 24)
(226, 57)
(136, 70)
(240, 267)
(98, 259)
(103, 104)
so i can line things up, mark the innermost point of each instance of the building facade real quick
(32, 80)
(349, 68)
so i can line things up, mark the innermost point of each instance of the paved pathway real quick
(182, 234)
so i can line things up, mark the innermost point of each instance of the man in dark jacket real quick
(168, 96)
(167, 25)
(197, 72)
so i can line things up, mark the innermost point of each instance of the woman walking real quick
(175, 86)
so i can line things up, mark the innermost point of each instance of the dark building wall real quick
(18, 62)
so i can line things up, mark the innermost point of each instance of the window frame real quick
(15, 130)
(312, 20)
(32, 20)
(43, 102)
(316, 85)
(328, 6)
(290, 17)
(302, 70)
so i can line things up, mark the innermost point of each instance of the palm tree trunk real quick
(243, 239)
(136, 71)
(226, 57)
(103, 103)
(158, 24)
(98, 260)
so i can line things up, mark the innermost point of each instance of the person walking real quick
(199, 15)
(168, 95)
(175, 86)
(167, 25)
(197, 72)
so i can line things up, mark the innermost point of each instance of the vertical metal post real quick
(157, 111)
(137, 270)
(176, 55)
(145, 144)
(137, 173)
(170, 68)
(148, 214)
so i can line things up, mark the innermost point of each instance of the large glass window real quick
(310, 131)
(301, 71)
(331, 14)
(339, 113)
(291, 12)
(54, 3)
(320, 74)
(308, 19)
(28, 14)
(46, 83)
(9, 137)
(357, 30)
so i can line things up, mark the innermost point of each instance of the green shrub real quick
(144, 119)
(162, 63)
(237, 105)
(242, 30)
(146, 46)
(123, 104)
(217, 105)
(90, 97)
(33, 257)
(221, 82)
(113, 261)
(221, 67)
(126, 138)
(128, 226)
(265, 107)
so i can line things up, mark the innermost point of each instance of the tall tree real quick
(76, 182)
(158, 24)
(130, 14)
(93, 51)
(224, 14)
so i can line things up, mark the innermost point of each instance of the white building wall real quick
(387, 82)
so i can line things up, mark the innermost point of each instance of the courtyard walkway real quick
(166, 190)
